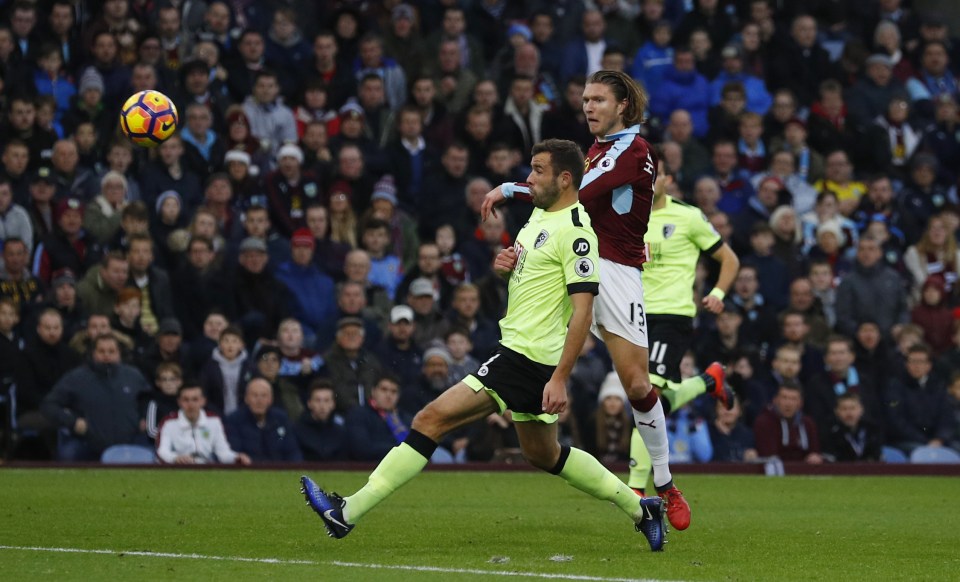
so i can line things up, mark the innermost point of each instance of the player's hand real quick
(244, 459)
(505, 262)
(712, 304)
(555, 396)
(80, 427)
(184, 460)
(492, 198)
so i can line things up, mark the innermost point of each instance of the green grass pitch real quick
(464, 526)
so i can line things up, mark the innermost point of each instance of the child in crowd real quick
(452, 265)
(612, 427)
(163, 400)
(459, 345)
(220, 377)
(385, 268)
(752, 152)
(50, 79)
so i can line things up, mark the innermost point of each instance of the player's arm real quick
(505, 191)
(555, 391)
(729, 265)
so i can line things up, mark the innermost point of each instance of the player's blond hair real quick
(624, 87)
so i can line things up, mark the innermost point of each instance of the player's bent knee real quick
(429, 422)
(543, 457)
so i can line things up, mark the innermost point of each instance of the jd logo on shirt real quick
(581, 247)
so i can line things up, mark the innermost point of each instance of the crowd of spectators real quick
(307, 251)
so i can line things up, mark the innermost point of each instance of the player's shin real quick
(649, 417)
(404, 462)
(583, 471)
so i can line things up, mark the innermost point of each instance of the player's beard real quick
(546, 195)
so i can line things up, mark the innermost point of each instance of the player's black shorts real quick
(670, 338)
(516, 379)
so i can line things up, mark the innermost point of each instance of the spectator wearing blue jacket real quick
(654, 58)
(49, 79)
(260, 430)
(377, 427)
(315, 306)
(758, 98)
(689, 437)
(683, 88)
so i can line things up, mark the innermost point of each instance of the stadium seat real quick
(934, 455)
(128, 455)
(893, 455)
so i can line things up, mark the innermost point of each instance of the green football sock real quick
(585, 472)
(680, 393)
(401, 464)
(640, 463)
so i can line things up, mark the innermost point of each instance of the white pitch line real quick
(337, 563)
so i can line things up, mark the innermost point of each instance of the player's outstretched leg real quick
(674, 395)
(457, 406)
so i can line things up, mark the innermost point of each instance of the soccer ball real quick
(148, 118)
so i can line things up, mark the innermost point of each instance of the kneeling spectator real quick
(321, 431)
(192, 437)
(379, 426)
(259, 430)
(851, 437)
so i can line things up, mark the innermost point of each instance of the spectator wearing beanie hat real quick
(403, 229)
(354, 130)
(315, 304)
(290, 189)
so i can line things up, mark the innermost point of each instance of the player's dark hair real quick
(565, 156)
(624, 88)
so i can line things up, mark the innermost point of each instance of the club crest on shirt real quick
(541, 238)
(606, 164)
(668, 230)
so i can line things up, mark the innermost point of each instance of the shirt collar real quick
(634, 129)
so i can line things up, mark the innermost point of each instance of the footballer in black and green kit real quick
(556, 256)
(677, 235)
(553, 271)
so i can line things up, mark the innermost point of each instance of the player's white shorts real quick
(619, 307)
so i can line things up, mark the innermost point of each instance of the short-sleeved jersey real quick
(556, 257)
(678, 234)
(617, 191)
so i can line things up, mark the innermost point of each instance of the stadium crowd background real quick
(315, 222)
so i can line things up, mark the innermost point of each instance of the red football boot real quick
(678, 510)
(714, 377)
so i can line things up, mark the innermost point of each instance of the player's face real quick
(543, 184)
(602, 109)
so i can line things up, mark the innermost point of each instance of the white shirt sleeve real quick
(218, 439)
(165, 447)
